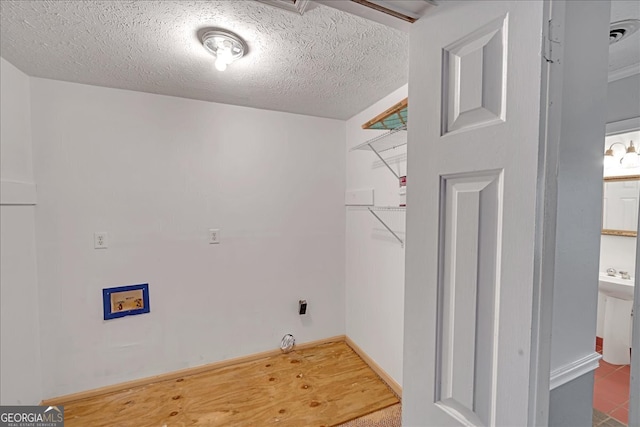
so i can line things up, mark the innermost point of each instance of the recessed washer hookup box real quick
(125, 301)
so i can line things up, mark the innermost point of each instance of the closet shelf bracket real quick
(384, 161)
(386, 226)
(387, 141)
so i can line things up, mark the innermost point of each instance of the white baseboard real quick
(573, 370)
(384, 376)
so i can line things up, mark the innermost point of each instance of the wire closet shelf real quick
(387, 141)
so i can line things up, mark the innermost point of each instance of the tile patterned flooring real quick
(601, 419)
(611, 390)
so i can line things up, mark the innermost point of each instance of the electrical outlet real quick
(100, 240)
(214, 236)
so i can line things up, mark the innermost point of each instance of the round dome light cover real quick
(220, 42)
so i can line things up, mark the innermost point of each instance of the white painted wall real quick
(579, 187)
(584, 58)
(20, 367)
(15, 162)
(156, 173)
(618, 252)
(374, 258)
(623, 99)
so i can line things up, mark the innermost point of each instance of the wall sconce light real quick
(628, 160)
(226, 46)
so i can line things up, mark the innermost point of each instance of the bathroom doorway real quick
(616, 325)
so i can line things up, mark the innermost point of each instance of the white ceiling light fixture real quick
(226, 46)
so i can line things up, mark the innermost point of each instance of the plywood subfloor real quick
(321, 386)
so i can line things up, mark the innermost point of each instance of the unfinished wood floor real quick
(321, 386)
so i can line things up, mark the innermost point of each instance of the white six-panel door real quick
(620, 205)
(474, 90)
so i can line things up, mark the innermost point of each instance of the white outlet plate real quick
(101, 240)
(214, 236)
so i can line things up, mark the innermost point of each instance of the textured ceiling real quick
(325, 63)
(626, 52)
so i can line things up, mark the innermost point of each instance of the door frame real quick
(545, 247)
(634, 384)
